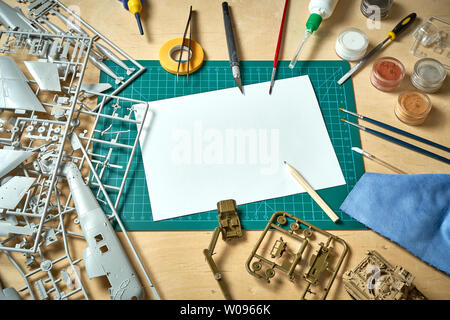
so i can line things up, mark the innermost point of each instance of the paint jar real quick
(375, 9)
(428, 75)
(351, 44)
(387, 74)
(413, 107)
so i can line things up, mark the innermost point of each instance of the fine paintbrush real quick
(375, 159)
(277, 52)
(399, 142)
(399, 131)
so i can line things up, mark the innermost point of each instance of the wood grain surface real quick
(174, 260)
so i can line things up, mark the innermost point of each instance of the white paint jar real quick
(351, 44)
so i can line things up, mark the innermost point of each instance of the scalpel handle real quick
(232, 52)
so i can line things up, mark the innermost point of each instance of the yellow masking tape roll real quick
(170, 51)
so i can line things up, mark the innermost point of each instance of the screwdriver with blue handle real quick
(402, 25)
(135, 7)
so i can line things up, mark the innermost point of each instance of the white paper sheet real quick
(203, 148)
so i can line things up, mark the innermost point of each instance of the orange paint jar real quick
(387, 74)
(413, 107)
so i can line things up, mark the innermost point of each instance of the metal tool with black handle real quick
(402, 25)
(232, 52)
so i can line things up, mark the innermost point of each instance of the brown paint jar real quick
(413, 107)
(387, 74)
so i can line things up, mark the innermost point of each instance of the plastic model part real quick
(36, 21)
(44, 163)
(374, 278)
(318, 264)
(94, 87)
(40, 220)
(104, 255)
(229, 220)
(45, 136)
(14, 90)
(118, 115)
(8, 294)
(10, 226)
(46, 75)
(69, 277)
(431, 38)
(39, 223)
(12, 191)
(322, 265)
(208, 253)
(11, 159)
(230, 228)
(110, 55)
(14, 19)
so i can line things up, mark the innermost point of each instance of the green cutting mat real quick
(156, 84)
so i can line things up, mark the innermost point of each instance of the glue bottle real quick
(319, 10)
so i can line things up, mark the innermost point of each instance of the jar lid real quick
(370, 7)
(429, 74)
(388, 70)
(414, 104)
(351, 44)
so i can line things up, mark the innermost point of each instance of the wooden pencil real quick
(330, 213)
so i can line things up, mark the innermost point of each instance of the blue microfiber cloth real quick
(411, 210)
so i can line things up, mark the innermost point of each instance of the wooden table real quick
(174, 260)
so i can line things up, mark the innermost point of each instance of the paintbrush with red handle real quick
(280, 36)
